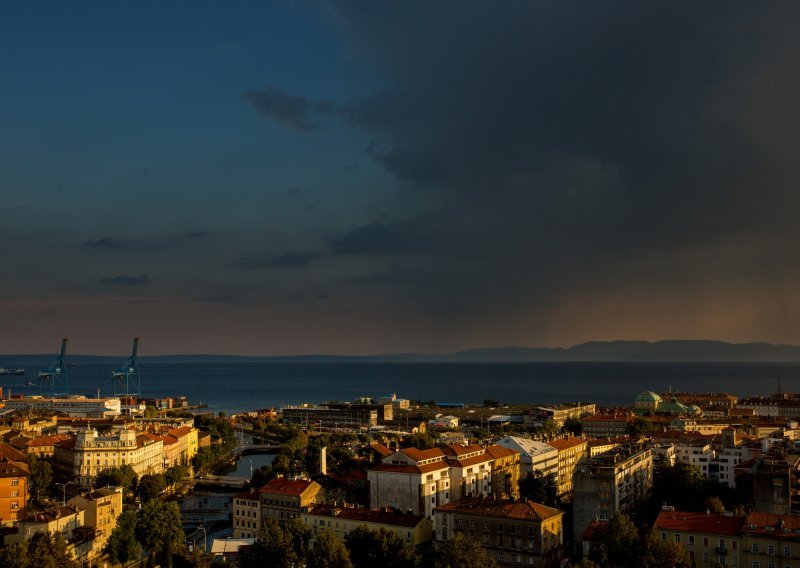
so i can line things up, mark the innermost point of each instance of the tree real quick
(619, 543)
(159, 530)
(175, 474)
(14, 556)
(421, 441)
(299, 535)
(539, 488)
(549, 427)
(150, 412)
(122, 476)
(378, 548)
(328, 552)
(663, 554)
(573, 426)
(151, 486)
(461, 552)
(638, 426)
(41, 476)
(46, 550)
(714, 505)
(273, 547)
(122, 545)
(490, 403)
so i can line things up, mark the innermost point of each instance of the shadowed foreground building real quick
(609, 483)
(515, 533)
(409, 528)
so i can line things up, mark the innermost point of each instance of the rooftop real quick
(502, 508)
(688, 521)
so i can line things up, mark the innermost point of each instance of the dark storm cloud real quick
(125, 280)
(633, 120)
(575, 147)
(198, 234)
(225, 299)
(291, 259)
(104, 242)
(350, 167)
(288, 110)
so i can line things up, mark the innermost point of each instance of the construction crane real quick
(56, 377)
(126, 380)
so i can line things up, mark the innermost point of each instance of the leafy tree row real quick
(155, 528)
(289, 546)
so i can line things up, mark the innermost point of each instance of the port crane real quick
(56, 377)
(126, 380)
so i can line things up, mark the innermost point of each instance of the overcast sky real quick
(373, 177)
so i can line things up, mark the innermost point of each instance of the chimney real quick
(323, 460)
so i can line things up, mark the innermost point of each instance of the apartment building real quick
(246, 514)
(534, 455)
(409, 528)
(558, 414)
(759, 540)
(606, 425)
(88, 453)
(570, 451)
(411, 480)
(323, 417)
(609, 483)
(470, 470)
(101, 508)
(283, 498)
(505, 471)
(13, 491)
(77, 406)
(515, 533)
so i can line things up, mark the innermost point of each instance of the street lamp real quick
(64, 490)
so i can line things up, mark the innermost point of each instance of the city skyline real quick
(359, 178)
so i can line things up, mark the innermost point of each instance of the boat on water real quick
(30, 384)
(4, 371)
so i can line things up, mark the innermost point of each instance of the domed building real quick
(646, 403)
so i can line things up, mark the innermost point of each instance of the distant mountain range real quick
(594, 351)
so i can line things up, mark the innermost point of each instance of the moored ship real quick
(11, 371)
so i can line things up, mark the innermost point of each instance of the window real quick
(771, 549)
(787, 552)
(691, 539)
(15, 481)
(754, 549)
(756, 564)
(14, 505)
(677, 537)
(705, 542)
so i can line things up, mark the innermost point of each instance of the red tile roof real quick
(382, 516)
(483, 458)
(505, 508)
(500, 451)
(179, 432)
(459, 450)
(776, 526)
(285, 486)
(255, 496)
(566, 443)
(686, 521)
(382, 450)
(419, 455)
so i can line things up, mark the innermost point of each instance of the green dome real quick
(648, 396)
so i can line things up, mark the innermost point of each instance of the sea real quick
(237, 387)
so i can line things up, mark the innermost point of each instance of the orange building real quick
(13, 491)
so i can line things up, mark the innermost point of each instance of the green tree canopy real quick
(46, 550)
(659, 553)
(150, 486)
(273, 547)
(328, 552)
(380, 548)
(122, 545)
(175, 474)
(573, 426)
(461, 552)
(421, 440)
(122, 476)
(41, 476)
(539, 488)
(159, 529)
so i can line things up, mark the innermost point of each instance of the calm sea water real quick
(244, 386)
